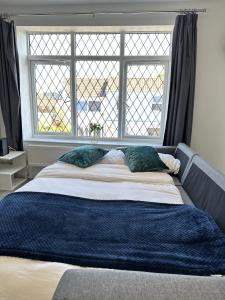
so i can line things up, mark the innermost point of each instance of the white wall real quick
(209, 121)
(209, 113)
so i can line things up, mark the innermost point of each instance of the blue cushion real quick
(84, 156)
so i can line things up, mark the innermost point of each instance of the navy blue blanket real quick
(127, 235)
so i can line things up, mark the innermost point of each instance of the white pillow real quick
(116, 157)
(172, 163)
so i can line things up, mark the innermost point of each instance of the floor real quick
(4, 193)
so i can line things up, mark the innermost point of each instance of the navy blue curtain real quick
(10, 85)
(182, 84)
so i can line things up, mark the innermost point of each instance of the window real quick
(117, 80)
(144, 82)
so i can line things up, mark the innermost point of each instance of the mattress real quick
(37, 280)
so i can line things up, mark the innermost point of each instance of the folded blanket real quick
(129, 235)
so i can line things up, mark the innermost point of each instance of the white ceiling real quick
(61, 2)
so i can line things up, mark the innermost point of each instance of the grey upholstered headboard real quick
(165, 149)
(206, 187)
(185, 155)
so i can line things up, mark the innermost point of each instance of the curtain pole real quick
(179, 11)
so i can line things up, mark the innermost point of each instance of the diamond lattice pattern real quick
(144, 99)
(97, 44)
(97, 93)
(147, 44)
(50, 44)
(52, 86)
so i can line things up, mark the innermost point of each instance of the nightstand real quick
(13, 170)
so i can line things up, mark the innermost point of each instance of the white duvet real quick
(105, 182)
(103, 173)
(24, 279)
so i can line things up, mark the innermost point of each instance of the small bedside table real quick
(13, 170)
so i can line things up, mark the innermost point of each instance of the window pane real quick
(147, 44)
(97, 93)
(50, 44)
(52, 90)
(97, 44)
(144, 99)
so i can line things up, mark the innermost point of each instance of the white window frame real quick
(124, 61)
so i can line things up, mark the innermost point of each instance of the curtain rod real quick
(181, 11)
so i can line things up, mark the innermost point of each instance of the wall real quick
(209, 113)
(209, 122)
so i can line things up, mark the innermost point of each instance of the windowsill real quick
(67, 142)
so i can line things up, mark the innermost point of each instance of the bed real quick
(32, 279)
(37, 279)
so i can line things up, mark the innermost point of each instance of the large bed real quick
(32, 279)
(23, 278)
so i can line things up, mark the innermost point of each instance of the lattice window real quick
(145, 90)
(147, 44)
(52, 95)
(110, 79)
(97, 92)
(97, 44)
(50, 44)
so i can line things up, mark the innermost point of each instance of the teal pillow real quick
(143, 159)
(84, 156)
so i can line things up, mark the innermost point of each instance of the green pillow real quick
(84, 156)
(143, 159)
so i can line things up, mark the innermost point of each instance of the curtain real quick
(182, 85)
(10, 85)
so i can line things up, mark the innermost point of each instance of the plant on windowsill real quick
(95, 129)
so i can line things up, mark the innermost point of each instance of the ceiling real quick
(61, 2)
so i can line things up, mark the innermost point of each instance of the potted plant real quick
(95, 129)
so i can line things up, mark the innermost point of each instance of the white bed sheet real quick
(105, 182)
(103, 173)
(165, 193)
(24, 279)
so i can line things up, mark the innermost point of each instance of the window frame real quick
(34, 102)
(164, 98)
(124, 61)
